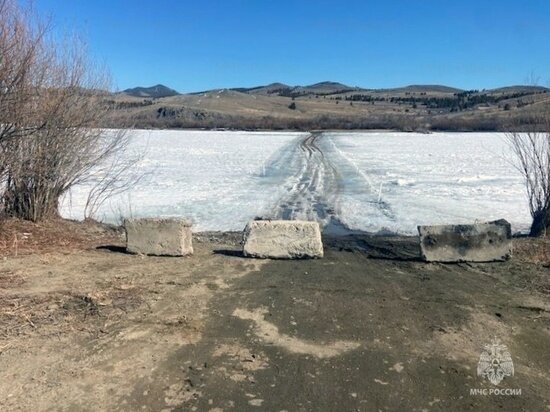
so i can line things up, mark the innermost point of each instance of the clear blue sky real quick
(198, 45)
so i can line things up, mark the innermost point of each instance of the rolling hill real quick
(330, 105)
(156, 91)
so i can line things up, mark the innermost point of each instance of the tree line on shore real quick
(171, 117)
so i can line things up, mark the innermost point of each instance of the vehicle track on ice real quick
(315, 193)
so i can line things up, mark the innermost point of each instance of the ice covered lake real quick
(369, 181)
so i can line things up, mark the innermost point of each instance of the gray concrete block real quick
(157, 236)
(282, 239)
(480, 242)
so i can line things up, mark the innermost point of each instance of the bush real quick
(51, 106)
(532, 151)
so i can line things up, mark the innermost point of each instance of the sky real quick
(207, 44)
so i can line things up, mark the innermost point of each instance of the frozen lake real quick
(371, 181)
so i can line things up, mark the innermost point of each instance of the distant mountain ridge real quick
(324, 88)
(156, 91)
(434, 88)
(331, 105)
(329, 87)
(281, 89)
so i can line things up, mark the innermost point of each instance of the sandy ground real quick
(366, 328)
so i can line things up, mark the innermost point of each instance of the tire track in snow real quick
(315, 193)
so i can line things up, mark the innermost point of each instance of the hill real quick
(519, 89)
(331, 105)
(325, 88)
(273, 88)
(426, 88)
(155, 92)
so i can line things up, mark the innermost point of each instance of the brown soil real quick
(88, 328)
(20, 237)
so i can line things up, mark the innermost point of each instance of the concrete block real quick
(282, 239)
(480, 242)
(157, 236)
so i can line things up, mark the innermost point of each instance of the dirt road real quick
(98, 329)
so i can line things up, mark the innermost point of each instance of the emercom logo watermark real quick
(495, 364)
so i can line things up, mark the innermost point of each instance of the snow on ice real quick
(386, 181)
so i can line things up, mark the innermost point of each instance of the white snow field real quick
(369, 181)
(437, 178)
(212, 178)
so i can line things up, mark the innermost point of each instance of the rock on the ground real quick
(157, 236)
(480, 242)
(282, 239)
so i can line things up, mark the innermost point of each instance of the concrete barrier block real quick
(157, 236)
(283, 239)
(480, 242)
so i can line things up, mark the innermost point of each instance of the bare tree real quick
(113, 177)
(532, 159)
(19, 41)
(51, 107)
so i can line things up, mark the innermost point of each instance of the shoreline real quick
(20, 238)
(194, 129)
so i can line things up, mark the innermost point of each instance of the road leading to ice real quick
(314, 191)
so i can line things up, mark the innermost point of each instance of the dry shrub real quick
(51, 107)
(533, 250)
(532, 159)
